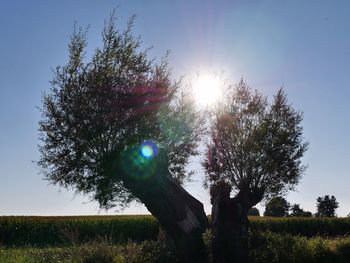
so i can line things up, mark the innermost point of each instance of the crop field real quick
(140, 239)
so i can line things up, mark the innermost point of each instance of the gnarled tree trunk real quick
(178, 212)
(230, 226)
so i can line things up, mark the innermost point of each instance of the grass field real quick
(138, 239)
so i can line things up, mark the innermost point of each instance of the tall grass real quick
(309, 227)
(268, 247)
(58, 231)
(53, 231)
(95, 252)
(265, 248)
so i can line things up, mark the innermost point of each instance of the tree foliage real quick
(253, 212)
(105, 108)
(295, 210)
(277, 207)
(255, 146)
(326, 206)
(102, 112)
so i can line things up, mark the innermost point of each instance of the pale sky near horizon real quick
(303, 46)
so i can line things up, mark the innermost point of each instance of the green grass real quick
(96, 252)
(134, 239)
(58, 231)
(267, 247)
(309, 227)
(55, 231)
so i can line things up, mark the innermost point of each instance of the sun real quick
(207, 90)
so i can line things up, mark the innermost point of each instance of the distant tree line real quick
(279, 207)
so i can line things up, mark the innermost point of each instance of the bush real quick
(264, 247)
(274, 248)
(95, 252)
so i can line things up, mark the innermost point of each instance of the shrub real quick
(274, 248)
(94, 252)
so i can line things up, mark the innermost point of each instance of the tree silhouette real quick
(256, 149)
(253, 212)
(299, 212)
(326, 206)
(118, 129)
(277, 207)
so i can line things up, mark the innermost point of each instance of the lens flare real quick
(139, 162)
(149, 149)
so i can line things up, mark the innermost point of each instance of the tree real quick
(326, 206)
(299, 212)
(118, 129)
(253, 212)
(277, 207)
(255, 148)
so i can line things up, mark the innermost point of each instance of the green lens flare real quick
(147, 151)
(139, 161)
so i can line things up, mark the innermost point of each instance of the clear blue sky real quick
(301, 45)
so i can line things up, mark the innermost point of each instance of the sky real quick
(303, 46)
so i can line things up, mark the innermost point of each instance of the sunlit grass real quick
(93, 252)
(134, 239)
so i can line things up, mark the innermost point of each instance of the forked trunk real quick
(230, 226)
(240, 232)
(178, 212)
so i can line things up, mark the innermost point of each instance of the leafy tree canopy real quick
(326, 206)
(277, 207)
(253, 212)
(255, 146)
(297, 211)
(105, 108)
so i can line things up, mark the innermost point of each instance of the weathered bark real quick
(230, 226)
(178, 212)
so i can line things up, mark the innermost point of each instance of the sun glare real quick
(207, 90)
